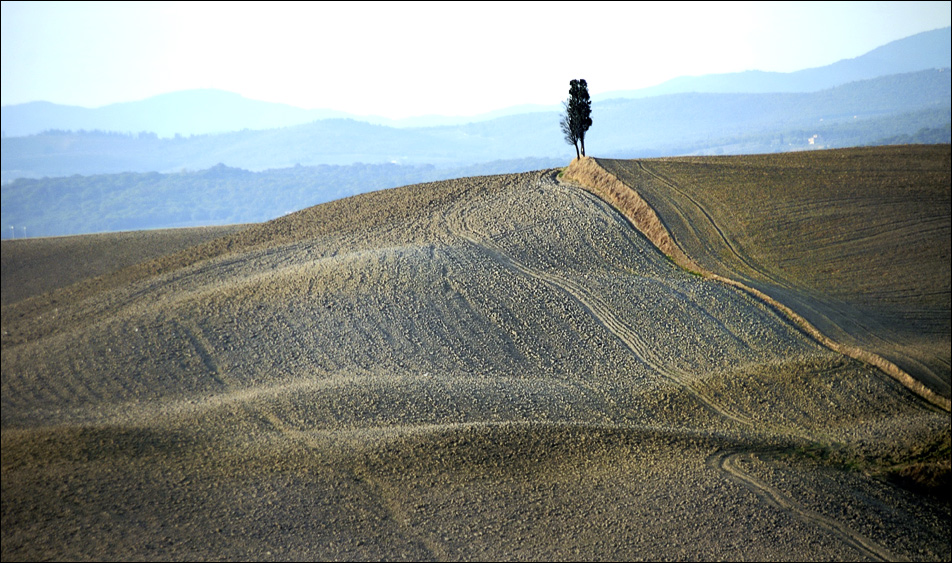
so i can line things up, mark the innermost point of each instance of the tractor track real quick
(594, 307)
(730, 463)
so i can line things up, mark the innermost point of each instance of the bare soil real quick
(36, 265)
(855, 240)
(496, 367)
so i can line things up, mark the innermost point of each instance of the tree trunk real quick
(576, 150)
(582, 140)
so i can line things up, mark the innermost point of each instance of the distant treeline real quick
(924, 136)
(216, 196)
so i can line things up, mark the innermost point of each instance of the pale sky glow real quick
(409, 59)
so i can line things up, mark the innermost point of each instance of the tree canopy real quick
(578, 115)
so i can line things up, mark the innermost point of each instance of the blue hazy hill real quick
(200, 112)
(927, 50)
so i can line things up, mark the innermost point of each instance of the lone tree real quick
(578, 115)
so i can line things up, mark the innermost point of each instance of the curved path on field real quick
(731, 463)
(588, 173)
(598, 309)
(828, 316)
(726, 462)
(479, 369)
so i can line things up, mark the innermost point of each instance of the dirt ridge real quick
(588, 174)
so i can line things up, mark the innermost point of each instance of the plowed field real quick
(487, 368)
(855, 240)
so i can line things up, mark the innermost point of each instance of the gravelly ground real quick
(486, 368)
(855, 240)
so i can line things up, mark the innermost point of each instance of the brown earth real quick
(486, 368)
(36, 265)
(857, 241)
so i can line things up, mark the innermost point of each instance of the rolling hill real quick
(822, 242)
(493, 367)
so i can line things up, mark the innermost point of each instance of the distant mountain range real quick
(858, 113)
(927, 50)
(200, 112)
(128, 175)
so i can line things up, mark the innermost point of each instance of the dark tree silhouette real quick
(578, 115)
(567, 130)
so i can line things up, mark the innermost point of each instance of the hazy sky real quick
(408, 59)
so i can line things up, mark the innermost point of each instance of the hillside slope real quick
(856, 241)
(497, 367)
(37, 265)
